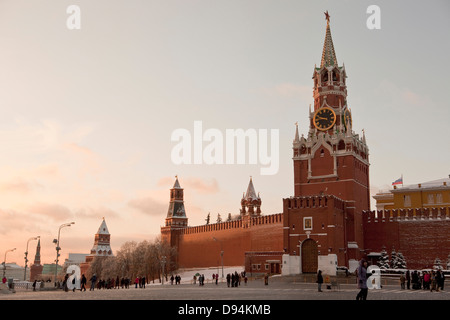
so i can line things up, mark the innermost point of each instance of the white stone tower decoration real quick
(102, 242)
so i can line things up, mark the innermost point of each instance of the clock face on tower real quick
(324, 118)
(347, 118)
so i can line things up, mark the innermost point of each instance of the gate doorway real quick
(275, 267)
(310, 256)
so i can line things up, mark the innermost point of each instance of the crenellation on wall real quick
(234, 224)
(408, 214)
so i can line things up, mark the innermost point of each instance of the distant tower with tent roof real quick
(36, 268)
(176, 214)
(250, 202)
(102, 243)
(101, 247)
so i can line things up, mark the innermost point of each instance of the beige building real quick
(429, 194)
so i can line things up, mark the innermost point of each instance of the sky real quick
(87, 114)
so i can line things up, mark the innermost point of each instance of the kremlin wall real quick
(327, 223)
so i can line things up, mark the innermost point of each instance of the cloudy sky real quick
(87, 115)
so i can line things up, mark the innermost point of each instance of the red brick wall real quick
(329, 224)
(420, 240)
(197, 247)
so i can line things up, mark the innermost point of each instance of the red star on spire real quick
(327, 16)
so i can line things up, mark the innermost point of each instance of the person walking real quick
(83, 283)
(402, 281)
(438, 280)
(408, 280)
(426, 280)
(93, 281)
(319, 280)
(433, 281)
(136, 282)
(362, 280)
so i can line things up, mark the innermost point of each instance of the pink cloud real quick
(56, 212)
(19, 185)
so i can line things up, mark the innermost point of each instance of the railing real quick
(26, 285)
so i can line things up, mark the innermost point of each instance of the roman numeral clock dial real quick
(324, 118)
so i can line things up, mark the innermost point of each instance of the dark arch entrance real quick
(310, 256)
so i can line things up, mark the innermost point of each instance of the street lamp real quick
(4, 261)
(26, 257)
(163, 263)
(55, 241)
(221, 253)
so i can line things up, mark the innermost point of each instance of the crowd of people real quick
(432, 280)
(233, 279)
(109, 283)
(427, 280)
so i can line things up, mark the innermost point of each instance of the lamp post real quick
(4, 261)
(56, 241)
(221, 253)
(26, 257)
(163, 263)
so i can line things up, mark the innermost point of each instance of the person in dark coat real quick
(408, 279)
(83, 283)
(362, 280)
(319, 280)
(93, 281)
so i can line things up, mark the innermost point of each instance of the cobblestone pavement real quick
(254, 290)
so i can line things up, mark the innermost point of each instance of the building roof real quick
(433, 184)
(251, 193)
(328, 54)
(103, 229)
(176, 185)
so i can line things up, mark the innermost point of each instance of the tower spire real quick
(251, 201)
(176, 214)
(37, 257)
(297, 137)
(328, 53)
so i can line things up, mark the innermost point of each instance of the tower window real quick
(325, 77)
(336, 75)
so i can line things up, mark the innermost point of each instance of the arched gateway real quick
(310, 256)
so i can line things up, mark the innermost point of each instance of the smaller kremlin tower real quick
(250, 202)
(176, 214)
(36, 267)
(102, 243)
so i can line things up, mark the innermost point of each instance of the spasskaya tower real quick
(332, 159)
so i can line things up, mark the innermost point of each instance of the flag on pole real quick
(398, 181)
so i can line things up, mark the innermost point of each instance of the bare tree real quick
(135, 260)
